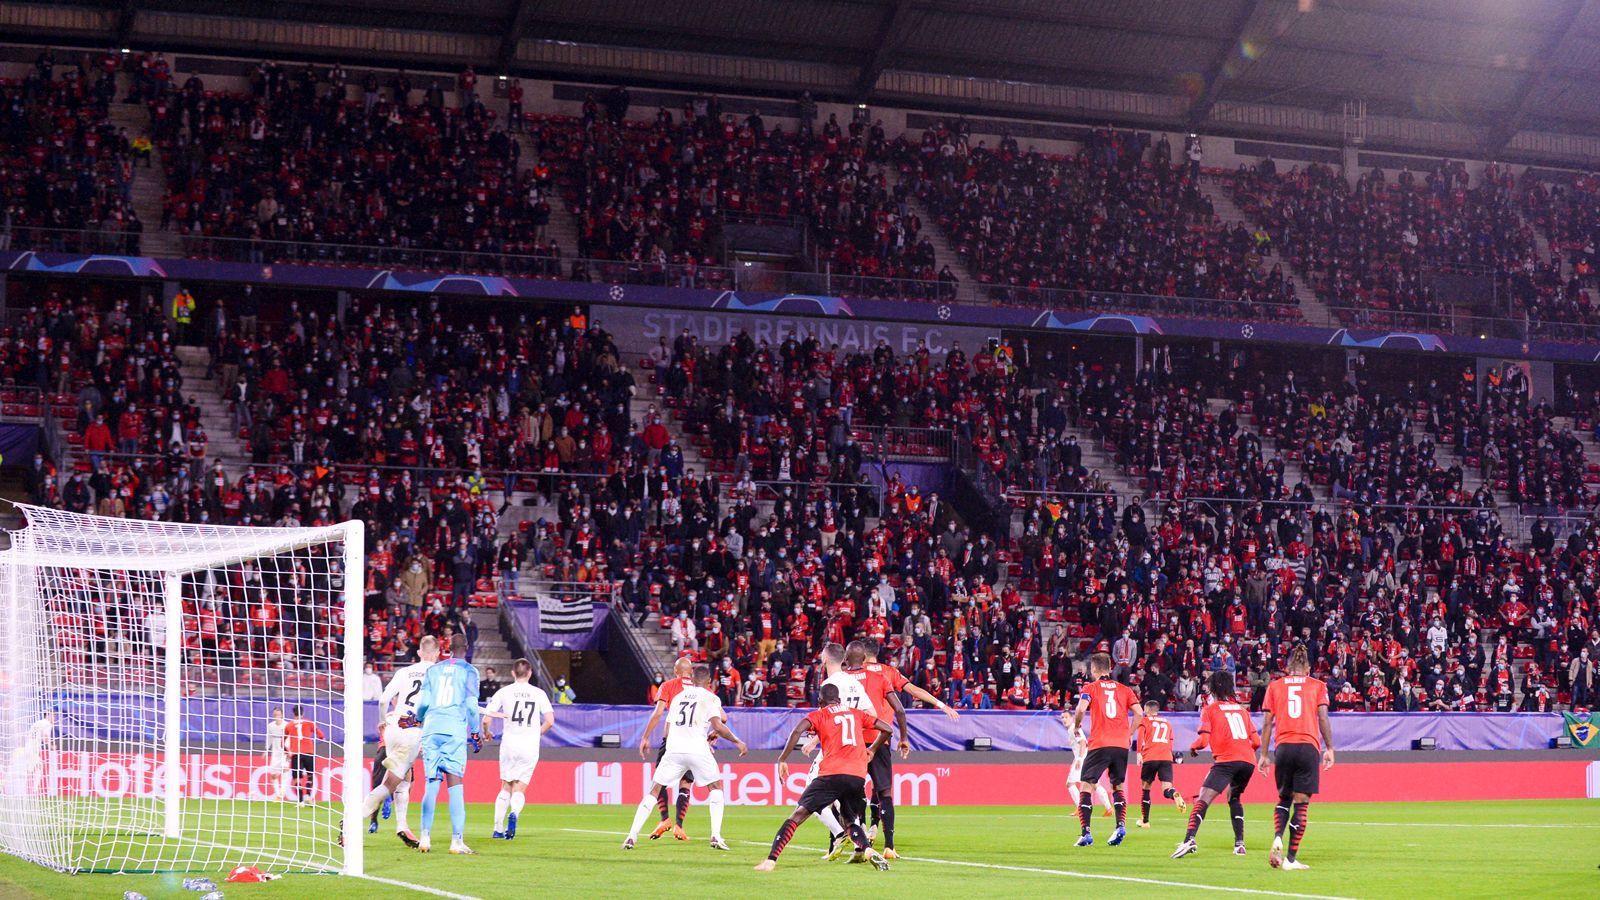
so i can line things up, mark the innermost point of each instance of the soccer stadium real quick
(780, 446)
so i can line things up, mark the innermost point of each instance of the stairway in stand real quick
(1311, 307)
(943, 253)
(149, 184)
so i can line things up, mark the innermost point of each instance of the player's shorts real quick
(675, 764)
(1104, 760)
(1153, 770)
(444, 753)
(278, 762)
(1225, 775)
(401, 746)
(518, 760)
(880, 770)
(302, 763)
(849, 791)
(1298, 768)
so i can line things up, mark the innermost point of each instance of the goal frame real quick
(256, 542)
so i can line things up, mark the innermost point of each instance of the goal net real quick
(173, 698)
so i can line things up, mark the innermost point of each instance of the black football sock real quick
(1085, 809)
(683, 805)
(1236, 809)
(858, 836)
(1280, 816)
(661, 802)
(1144, 806)
(785, 832)
(1169, 793)
(1196, 816)
(1297, 824)
(1119, 802)
(886, 816)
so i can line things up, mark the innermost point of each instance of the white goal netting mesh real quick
(135, 650)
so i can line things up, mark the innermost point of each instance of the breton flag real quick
(563, 616)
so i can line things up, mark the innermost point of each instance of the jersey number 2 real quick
(847, 730)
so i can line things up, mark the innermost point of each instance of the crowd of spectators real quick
(1369, 248)
(1044, 228)
(66, 172)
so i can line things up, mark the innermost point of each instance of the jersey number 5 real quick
(1294, 704)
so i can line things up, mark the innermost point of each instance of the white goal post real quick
(143, 668)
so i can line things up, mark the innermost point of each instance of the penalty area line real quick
(421, 888)
(1065, 873)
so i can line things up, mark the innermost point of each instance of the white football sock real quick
(1102, 797)
(647, 806)
(517, 799)
(402, 803)
(715, 803)
(374, 800)
(501, 801)
(831, 820)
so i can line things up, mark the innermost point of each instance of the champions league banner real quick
(241, 721)
(931, 320)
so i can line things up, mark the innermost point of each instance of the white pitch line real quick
(1041, 871)
(1456, 824)
(422, 888)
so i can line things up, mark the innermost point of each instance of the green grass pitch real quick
(1527, 848)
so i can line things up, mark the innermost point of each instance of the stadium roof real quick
(1459, 75)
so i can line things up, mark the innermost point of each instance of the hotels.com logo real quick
(744, 785)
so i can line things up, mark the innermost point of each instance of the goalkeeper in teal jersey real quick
(450, 716)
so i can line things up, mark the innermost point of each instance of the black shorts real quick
(1102, 760)
(1225, 775)
(880, 771)
(1154, 770)
(848, 791)
(1298, 768)
(302, 763)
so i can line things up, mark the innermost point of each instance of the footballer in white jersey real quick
(277, 755)
(25, 768)
(402, 741)
(527, 714)
(692, 717)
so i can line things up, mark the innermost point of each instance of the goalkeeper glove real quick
(408, 721)
(476, 740)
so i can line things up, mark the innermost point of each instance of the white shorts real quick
(278, 762)
(401, 746)
(518, 760)
(1076, 775)
(703, 766)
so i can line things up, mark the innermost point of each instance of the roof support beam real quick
(516, 27)
(891, 36)
(125, 19)
(1207, 99)
(1514, 117)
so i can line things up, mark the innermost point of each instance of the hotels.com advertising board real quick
(247, 777)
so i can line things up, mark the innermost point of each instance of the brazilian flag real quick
(1585, 732)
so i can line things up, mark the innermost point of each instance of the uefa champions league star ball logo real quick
(1248, 330)
(943, 312)
(617, 292)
